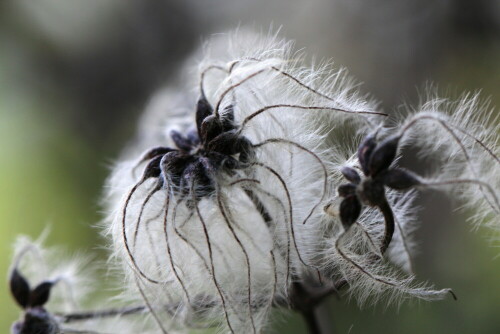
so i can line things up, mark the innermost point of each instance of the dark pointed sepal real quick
(228, 118)
(180, 141)
(20, 288)
(210, 128)
(346, 190)
(154, 152)
(383, 155)
(365, 150)
(350, 209)
(351, 174)
(41, 294)
(153, 168)
(203, 110)
(400, 179)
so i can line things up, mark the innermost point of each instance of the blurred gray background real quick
(75, 75)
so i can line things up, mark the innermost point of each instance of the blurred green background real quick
(75, 74)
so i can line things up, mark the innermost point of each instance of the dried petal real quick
(383, 155)
(365, 151)
(154, 152)
(40, 295)
(20, 288)
(350, 209)
(351, 174)
(153, 168)
(203, 110)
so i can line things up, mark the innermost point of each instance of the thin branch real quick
(302, 107)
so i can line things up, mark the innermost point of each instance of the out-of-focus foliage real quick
(74, 76)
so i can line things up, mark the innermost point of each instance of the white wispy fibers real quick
(461, 138)
(224, 208)
(224, 256)
(38, 263)
(52, 289)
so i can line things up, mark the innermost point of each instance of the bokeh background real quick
(75, 75)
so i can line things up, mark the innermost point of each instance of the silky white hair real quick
(227, 259)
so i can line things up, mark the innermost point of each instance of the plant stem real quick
(312, 321)
(82, 316)
(306, 300)
(386, 210)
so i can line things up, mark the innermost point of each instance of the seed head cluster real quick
(243, 190)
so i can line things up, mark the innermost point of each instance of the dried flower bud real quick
(19, 288)
(383, 155)
(350, 209)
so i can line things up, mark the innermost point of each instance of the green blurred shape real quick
(47, 178)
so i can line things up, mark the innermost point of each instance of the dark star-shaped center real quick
(190, 168)
(375, 160)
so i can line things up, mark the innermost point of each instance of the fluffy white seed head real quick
(223, 260)
(222, 246)
(69, 298)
